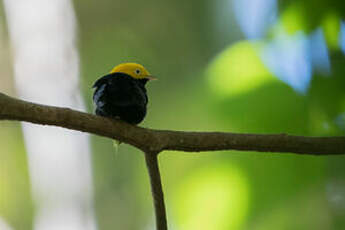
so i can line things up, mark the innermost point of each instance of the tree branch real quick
(149, 140)
(152, 142)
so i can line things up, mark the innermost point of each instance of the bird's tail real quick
(116, 145)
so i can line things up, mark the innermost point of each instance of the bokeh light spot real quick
(331, 26)
(237, 70)
(293, 19)
(212, 198)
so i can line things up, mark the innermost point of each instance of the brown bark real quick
(149, 140)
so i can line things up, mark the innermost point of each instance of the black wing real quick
(119, 90)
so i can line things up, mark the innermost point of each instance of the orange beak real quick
(149, 77)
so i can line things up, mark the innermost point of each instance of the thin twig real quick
(157, 191)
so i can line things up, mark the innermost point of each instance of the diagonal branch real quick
(149, 140)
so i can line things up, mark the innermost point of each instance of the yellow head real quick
(134, 70)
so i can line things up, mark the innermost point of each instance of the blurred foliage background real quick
(261, 66)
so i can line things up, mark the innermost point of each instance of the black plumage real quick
(118, 95)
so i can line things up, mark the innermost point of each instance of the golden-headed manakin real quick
(122, 93)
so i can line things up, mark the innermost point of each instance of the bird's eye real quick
(137, 71)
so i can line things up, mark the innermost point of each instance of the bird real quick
(121, 94)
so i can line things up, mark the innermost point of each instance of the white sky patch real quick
(342, 36)
(319, 53)
(289, 58)
(255, 16)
